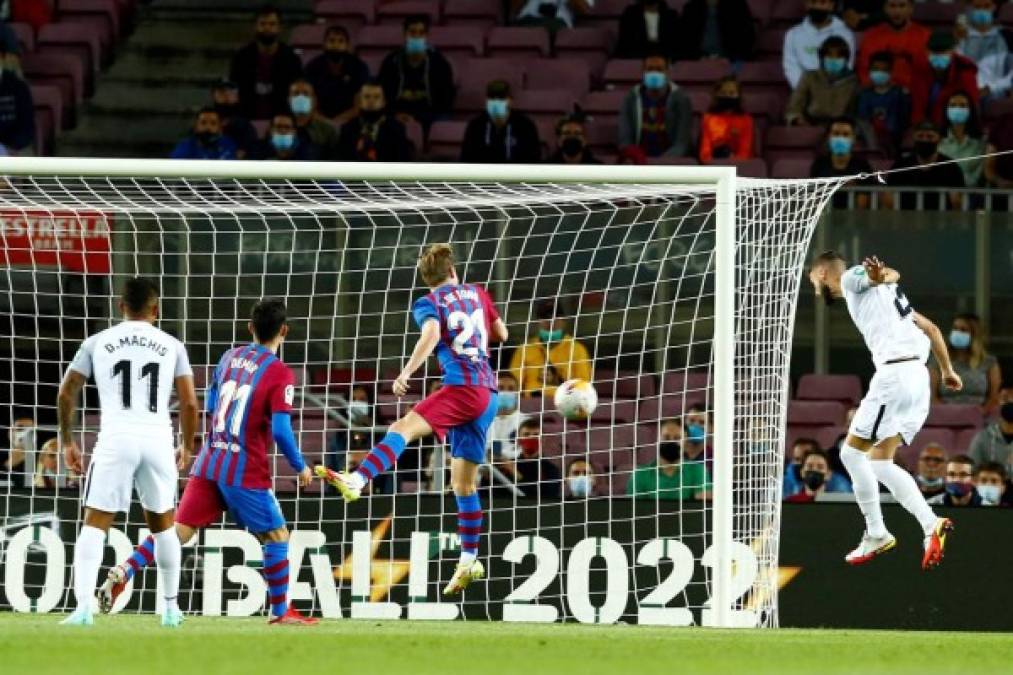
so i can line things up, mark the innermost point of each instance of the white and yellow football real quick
(576, 399)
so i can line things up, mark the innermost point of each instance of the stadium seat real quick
(76, 39)
(691, 383)
(770, 44)
(25, 35)
(590, 44)
(955, 416)
(845, 388)
(962, 440)
(103, 17)
(816, 413)
(605, 14)
(390, 407)
(308, 36)
(624, 384)
(622, 73)
(602, 135)
(603, 103)
(378, 40)
(823, 434)
(790, 168)
(413, 130)
(445, 138)
(786, 13)
(797, 142)
(352, 14)
(908, 455)
(614, 412)
(669, 160)
(749, 168)
(394, 13)
(518, 41)
(765, 105)
(937, 14)
(62, 71)
(760, 9)
(480, 72)
(48, 112)
(481, 13)
(699, 75)
(464, 41)
(570, 75)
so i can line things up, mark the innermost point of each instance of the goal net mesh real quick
(625, 271)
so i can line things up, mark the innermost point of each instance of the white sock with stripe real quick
(866, 487)
(905, 490)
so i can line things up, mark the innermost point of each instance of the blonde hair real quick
(976, 352)
(436, 264)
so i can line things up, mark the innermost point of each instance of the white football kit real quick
(135, 366)
(899, 394)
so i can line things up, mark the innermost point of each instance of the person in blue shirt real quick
(206, 141)
(884, 105)
(794, 478)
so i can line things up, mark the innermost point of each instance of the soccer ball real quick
(576, 399)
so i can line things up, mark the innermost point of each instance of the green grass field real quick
(33, 645)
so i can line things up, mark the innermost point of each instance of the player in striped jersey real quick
(250, 401)
(458, 320)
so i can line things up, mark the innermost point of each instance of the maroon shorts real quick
(202, 503)
(453, 406)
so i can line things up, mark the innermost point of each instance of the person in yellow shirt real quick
(550, 357)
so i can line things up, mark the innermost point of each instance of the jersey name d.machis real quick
(249, 385)
(465, 312)
(884, 317)
(135, 366)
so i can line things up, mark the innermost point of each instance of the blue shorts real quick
(468, 441)
(256, 509)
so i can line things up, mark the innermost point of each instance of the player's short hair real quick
(530, 423)
(671, 420)
(268, 10)
(436, 263)
(960, 459)
(338, 29)
(138, 294)
(827, 258)
(991, 467)
(805, 440)
(590, 466)
(267, 317)
(818, 453)
(882, 56)
(413, 19)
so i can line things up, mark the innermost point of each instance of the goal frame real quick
(722, 178)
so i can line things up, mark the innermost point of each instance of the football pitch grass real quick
(35, 645)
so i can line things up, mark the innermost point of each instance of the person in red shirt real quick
(937, 76)
(726, 132)
(899, 35)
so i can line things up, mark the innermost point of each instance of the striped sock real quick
(469, 525)
(382, 457)
(142, 556)
(276, 574)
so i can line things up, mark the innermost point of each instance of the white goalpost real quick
(680, 282)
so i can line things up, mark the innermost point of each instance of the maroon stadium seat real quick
(908, 455)
(103, 17)
(60, 70)
(789, 167)
(25, 35)
(378, 40)
(73, 38)
(307, 36)
(770, 44)
(699, 75)
(760, 9)
(480, 72)
(823, 434)
(623, 384)
(955, 416)
(413, 130)
(445, 139)
(692, 383)
(394, 13)
(48, 112)
(545, 105)
(962, 441)
(786, 13)
(590, 44)
(514, 41)
(603, 102)
(606, 13)
(468, 103)
(746, 168)
(800, 142)
(602, 135)
(845, 388)
(937, 14)
(458, 40)
(481, 13)
(570, 75)
(623, 73)
(816, 412)
(614, 412)
(352, 14)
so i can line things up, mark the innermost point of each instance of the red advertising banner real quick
(69, 240)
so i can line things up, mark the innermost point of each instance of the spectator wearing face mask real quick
(962, 138)
(802, 42)
(373, 136)
(940, 74)
(504, 428)
(358, 434)
(225, 96)
(980, 37)
(929, 172)
(581, 480)
(716, 29)
(978, 369)
(931, 473)
(264, 69)
(47, 471)
(500, 135)
(417, 79)
(656, 114)
(206, 140)
(534, 475)
(825, 93)
(672, 475)
(959, 485)
(551, 355)
(571, 142)
(647, 25)
(793, 473)
(884, 105)
(900, 37)
(13, 469)
(282, 141)
(337, 75)
(726, 131)
(312, 127)
(994, 443)
(815, 478)
(696, 429)
(990, 483)
(840, 160)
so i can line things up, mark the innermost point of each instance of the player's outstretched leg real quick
(276, 575)
(876, 540)
(120, 575)
(381, 458)
(469, 525)
(87, 559)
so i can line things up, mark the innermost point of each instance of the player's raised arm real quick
(423, 348)
(878, 273)
(950, 378)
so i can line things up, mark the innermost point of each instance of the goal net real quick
(662, 508)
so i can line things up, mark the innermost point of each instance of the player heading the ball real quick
(897, 403)
(249, 401)
(135, 366)
(458, 320)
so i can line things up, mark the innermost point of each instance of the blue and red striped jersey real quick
(464, 313)
(250, 384)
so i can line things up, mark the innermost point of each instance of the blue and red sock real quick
(142, 556)
(469, 525)
(382, 457)
(276, 575)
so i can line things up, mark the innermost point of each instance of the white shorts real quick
(897, 403)
(123, 461)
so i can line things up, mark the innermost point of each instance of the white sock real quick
(87, 559)
(866, 487)
(905, 490)
(168, 556)
(357, 480)
(468, 556)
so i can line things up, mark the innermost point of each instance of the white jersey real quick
(884, 318)
(135, 366)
